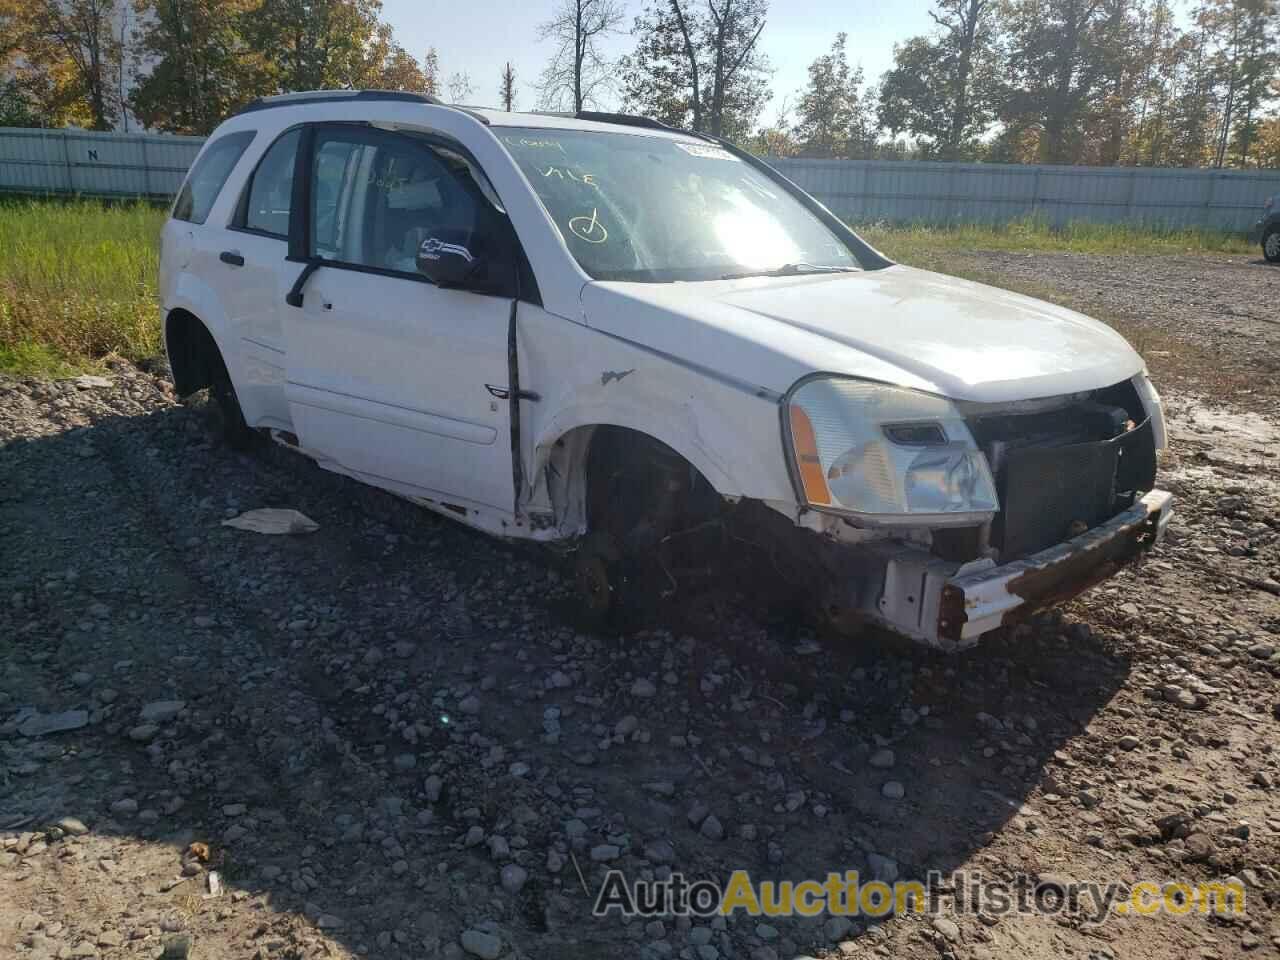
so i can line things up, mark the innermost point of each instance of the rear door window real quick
(207, 177)
(268, 198)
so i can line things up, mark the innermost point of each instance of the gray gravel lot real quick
(1208, 324)
(388, 738)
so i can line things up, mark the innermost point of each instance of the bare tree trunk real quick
(1229, 105)
(960, 116)
(508, 88)
(693, 64)
(124, 110)
(724, 73)
(717, 84)
(579, 54)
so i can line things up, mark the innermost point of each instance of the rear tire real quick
(1271, 245)
(228, 419)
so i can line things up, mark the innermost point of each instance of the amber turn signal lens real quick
(803, 440)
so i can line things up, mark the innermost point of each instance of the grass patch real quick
(78, 277)
(29, 359)
(77, 283)
(1028, 236)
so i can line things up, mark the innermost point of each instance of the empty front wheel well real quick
(639, 489)
(193, 353)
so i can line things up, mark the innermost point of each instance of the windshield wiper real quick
(789, 270)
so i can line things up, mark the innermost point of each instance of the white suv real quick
(603, 332)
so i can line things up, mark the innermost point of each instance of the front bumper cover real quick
(976, 601)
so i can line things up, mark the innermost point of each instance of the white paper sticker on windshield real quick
(706, 151)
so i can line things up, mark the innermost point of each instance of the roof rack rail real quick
(623, 119)
(336, 96)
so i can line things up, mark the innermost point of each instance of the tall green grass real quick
(77, 283)
(909, 242)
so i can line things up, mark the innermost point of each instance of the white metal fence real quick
(95, 164)
(123, 165)
(914, 191)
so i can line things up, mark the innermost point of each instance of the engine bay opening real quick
(1063, 470)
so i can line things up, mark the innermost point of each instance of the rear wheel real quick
(1271, 245)
(228, 418)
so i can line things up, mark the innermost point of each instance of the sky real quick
(479, 36)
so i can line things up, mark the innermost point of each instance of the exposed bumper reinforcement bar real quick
(979, 601)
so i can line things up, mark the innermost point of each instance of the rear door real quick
(254, 257)
(390, 377)
(190, 244)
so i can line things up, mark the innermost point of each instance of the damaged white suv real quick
(603, 332)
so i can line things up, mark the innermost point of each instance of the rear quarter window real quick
(208, 176)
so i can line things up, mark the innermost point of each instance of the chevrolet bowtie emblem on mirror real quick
(433, 248)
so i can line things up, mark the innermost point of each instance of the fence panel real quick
(153, 165)
(94, 164)
(915, 191)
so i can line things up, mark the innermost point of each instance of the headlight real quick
(885, 453)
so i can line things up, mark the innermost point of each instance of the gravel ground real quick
(387, 738)
(1209, 324)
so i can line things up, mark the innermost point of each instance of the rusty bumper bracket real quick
(983, 600)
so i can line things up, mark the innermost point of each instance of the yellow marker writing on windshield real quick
(589, 228)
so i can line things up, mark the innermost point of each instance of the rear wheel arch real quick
(194, 356)
(196, 363)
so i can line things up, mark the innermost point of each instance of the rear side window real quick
(266, 203)
(206, 178)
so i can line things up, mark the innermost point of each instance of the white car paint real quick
(383, 379)
(909, 327)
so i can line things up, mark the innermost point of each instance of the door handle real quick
(504, 393)
(232, 258)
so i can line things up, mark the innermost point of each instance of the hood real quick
(913, 328)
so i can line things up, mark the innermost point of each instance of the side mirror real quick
(445, 259)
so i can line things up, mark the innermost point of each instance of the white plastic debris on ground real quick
(273, 520)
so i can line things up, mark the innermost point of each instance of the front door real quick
(388, 375)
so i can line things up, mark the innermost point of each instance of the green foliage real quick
(944, 88)
(65, 58)
(203, 68)
(211, 56)
(833, 118)
(77, 282)
(657, 77)
(16, 109)
(700, 70)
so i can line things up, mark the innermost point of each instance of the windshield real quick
(655, 209)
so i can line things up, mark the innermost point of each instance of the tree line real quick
(1110, 82)
(182, 66)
